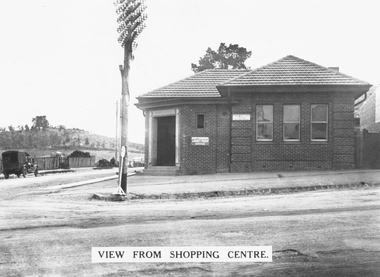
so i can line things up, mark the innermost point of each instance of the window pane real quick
(291, 113)
(200, 121)
(319, 113)
(291, 131)
(319, 131)
(264, 113)
(264, 131)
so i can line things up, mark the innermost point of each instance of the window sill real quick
(264, 142)
(319, 142)
(291, 142)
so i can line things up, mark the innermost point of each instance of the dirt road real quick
(322, 233)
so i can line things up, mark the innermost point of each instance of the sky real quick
(60, 58)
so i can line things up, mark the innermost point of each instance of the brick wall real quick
(343, 131)
(278, 155)
(223, 138)
(203, 159)
(247, 154)
(242, 137)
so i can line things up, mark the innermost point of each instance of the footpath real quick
(141, 186)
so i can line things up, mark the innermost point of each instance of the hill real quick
(43, 142)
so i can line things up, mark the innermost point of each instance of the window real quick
(291, 122)
(319, 119)
(200, 121)
(264, 122)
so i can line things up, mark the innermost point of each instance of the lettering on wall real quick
(242, 117)
(200, 141)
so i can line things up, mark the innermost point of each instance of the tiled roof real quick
(202, 84)
(291, 70)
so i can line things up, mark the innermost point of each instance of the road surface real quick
(321, 233)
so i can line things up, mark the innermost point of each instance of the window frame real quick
(319, 122)
(270, 122)
(292, 122)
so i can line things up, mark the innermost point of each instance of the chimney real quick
(334, 68)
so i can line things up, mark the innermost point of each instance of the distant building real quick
(369, 111)
(288, 115)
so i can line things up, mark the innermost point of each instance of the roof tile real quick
(291, 70)
(202, 84)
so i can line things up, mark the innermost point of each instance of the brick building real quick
(369, 111)
(288, 115)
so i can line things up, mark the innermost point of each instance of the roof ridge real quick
(243, 74)
(203, 82)
(289, 69)
(256, 69)
(172, 83)
(268, 64)
(346, 75)
(329, 69)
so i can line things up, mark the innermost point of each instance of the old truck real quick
(19, 163)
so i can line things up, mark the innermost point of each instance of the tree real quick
(43, 140)
(30, 141)
(131, 18)
(87, 141)
(19, 140)
(55, 140)
(231, 57)
(61, 128)
(40, 122)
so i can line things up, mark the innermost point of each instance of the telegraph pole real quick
(131, 19)
(117, 131)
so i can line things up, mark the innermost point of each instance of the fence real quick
(60, 162)
(371, 150)
(48, 163)
(43, 163)
(75, 162)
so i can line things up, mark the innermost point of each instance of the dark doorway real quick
(166, 141)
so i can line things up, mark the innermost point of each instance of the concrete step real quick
(162, 171)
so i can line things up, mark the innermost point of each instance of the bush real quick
(103, 163)
(78, 153)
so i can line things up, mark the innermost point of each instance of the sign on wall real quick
(236, 117)
(199, 141)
